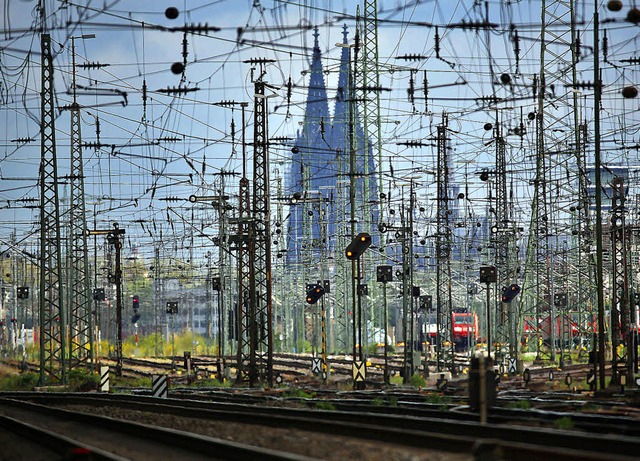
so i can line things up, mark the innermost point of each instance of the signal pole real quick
(114, 238)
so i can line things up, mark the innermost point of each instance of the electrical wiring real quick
(139, 165)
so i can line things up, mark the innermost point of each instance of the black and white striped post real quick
(160, 386)
(104, 379)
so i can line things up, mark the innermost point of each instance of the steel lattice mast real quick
(556, 144)
(501, 239)
(52, 317)
(262, 224)
(622, 363)
(444, 310)
(244, 315)
(81, 341)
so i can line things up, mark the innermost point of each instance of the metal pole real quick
(598, 180)
(488, 321)
(115, 236)
(386, 324)
(324, 342)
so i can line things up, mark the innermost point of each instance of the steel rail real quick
(193, 443)
(428, 432)
(56, 443)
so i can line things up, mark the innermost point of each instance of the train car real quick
(567, 328)
(465, 329)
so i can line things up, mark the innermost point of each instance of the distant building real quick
(318, 182)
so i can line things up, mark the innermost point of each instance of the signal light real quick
(23, 292)
(136, 302)
(314, 294)
(510, 292)
(172, 307)
(358, 246)
(99, 294)
(488, 274)
(426, 303)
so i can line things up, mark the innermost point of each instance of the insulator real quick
(412, 143)
(226, 103)
(92, 65)
(178, 90)
(199, 28)
(258, 61)
(411, 57)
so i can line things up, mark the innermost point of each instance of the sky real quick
(149, 147)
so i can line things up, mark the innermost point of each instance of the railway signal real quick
(23, 292)
(426, 303)
(99, 294)
(172, 307)
(358, 246)
(136, 302)
(510, 292)
(314, 294)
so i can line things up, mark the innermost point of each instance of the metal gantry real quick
(52, 314)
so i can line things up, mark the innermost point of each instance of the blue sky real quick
(159, 150)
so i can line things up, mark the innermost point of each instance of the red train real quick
(465, 329)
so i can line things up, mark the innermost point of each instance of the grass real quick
(325, 406)
(19, 382)
(564, 423)
(438, 399)
(83, 381)
(79, 380)
(137, 382)
(520, 405)
(211, 382)
(297, 393)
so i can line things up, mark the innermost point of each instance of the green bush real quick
(418, 380)
(83, 380)
(21, 382)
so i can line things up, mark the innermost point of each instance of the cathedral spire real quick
(317, 105)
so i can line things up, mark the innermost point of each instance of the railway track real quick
(79, 435)
(418, 428)
(548, 411)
